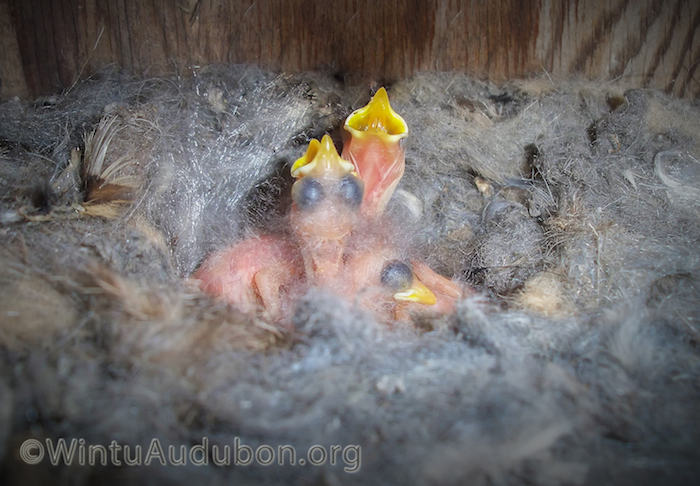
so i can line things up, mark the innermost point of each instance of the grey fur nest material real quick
(572, 209)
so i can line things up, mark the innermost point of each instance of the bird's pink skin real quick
(257, 274)
(266, 274)
(321, 234)
(380, 165)
(447, 291)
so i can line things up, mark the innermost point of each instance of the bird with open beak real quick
(374, 138)
(338, 238)
(373, 141)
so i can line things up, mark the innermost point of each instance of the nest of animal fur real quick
(572, 210)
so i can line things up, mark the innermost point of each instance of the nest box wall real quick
(46, 45)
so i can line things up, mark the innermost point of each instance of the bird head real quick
(374, 143)
(326, 200)
(399, 277)
(380, 275)
(391, 288)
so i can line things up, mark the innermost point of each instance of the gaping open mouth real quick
(377, 117)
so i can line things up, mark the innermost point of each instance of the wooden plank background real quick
(48, 44)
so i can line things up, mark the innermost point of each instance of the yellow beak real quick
(321, 158)
(418, 293)
(377, 117)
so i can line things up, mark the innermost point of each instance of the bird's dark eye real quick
(307, 193)
(351, 190)
(396, 276)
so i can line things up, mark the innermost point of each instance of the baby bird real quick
(270, 273)
(373, 141)
(339, 238)
(326, 200)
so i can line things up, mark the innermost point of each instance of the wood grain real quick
(12, 81)
(639, 43)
